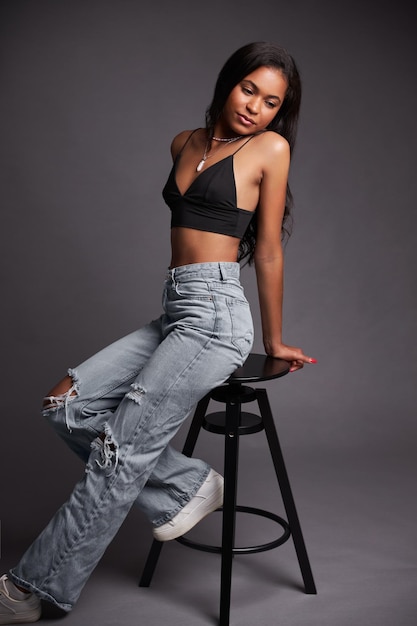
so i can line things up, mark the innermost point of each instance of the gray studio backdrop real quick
(91, 95)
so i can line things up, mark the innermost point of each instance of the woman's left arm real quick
(269, 258)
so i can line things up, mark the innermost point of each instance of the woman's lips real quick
(245, 120)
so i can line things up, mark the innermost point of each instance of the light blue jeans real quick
(125, 405)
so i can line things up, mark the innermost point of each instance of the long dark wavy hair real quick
(243, 62)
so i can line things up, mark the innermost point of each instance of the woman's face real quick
(253, 103)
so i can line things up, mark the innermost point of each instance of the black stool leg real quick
(151, 563)
(196, 425)
(189, 445)
(231, 453)
(287, 497)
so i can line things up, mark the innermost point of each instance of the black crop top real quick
(209, 203)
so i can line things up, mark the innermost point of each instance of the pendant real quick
(200, 165)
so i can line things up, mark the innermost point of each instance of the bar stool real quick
(232, 423)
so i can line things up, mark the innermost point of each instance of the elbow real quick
(266, 256)
(266, 259)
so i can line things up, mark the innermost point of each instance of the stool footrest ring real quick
(248, 549)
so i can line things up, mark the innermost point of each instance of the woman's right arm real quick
(268, 257)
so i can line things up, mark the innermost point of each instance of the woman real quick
(229, 198)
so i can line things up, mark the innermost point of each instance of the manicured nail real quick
(313, 360)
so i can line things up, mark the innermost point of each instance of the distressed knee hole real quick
(62, 392)
(136, 394)
(62, 395)
(108, 450)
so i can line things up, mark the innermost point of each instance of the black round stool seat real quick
(232, 422)
(259, 367)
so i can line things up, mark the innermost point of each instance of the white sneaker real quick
(12, 611)
(207, 499)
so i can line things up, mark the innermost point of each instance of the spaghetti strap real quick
(186, 141)
(244, 144)
(196, 129)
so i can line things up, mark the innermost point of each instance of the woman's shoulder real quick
(273, 142)
(273, 151)
(181, 139)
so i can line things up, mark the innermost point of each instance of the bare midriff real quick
(196, 246)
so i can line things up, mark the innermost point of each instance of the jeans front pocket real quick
(193, 289)
(190, 306)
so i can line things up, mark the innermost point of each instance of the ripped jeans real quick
(126, 404)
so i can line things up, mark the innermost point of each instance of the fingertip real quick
(313, 360)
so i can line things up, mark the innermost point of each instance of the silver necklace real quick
(207, 156)
(227, 139)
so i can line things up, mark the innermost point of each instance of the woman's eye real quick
(270, 104)
(247, 91)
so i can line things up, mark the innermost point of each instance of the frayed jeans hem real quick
(169, 515)
(43, 595)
